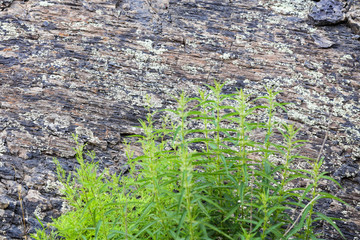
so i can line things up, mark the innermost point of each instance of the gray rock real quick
(327, 12)
(15, 233)
(347, 171)
(5, 4)
(4, 201)
(353, 21)
(322, 42)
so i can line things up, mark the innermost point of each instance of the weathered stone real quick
(347, 171)
(327, 12)
(4, 202)
(322, 42)
(353, 20)
(5, 3)
(85, 66)
(34, 196)
(15, 233)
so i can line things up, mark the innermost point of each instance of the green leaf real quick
(217, 230)
(330, 179)
(145, 212)
(231, 212)
(193, 113)
(144, 229)
(97, 229)
(181, 223)
(330, 196)
(38, 219)
(86, 207)
(203, 209)
(212, 202)
(181, 197)
(300, 224)
(274, 230)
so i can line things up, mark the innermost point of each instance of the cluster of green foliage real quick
(201, 176)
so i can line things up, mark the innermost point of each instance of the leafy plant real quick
(206, 173)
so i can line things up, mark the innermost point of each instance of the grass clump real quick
(205, 173)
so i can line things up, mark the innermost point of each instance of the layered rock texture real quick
(84, 66)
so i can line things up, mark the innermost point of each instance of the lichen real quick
(57, 122)
(88, 133)
(9, 31)
(45, 4)
(65, 207)
(53, 186)
(148, 44)
(38, 212)
(191, 69)
(288, 7)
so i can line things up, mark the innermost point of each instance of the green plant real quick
(206, 173)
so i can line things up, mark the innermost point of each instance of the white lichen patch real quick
(38, 212)
(249, 49)
(248, 16)
(276, 159)
(145, 60)
(281, 47)
(279, 83)
(341, 109)
(225, 56)
(9, 31)
(65, 207)
(298, 8)
(33, 115)
(57, 122)
(88, 133)
(52, 186)
(315, 76)
(151, 76)
(346, 57)
(155, 100)
(45, 4)
(158, 67)
(279, 120)
(148, 44)
(194, 45)
(136, 98)
(191, 69)
(301, 117)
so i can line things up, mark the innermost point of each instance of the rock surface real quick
(353, 19)
(332, 12)
(84, 66)
(327, 12)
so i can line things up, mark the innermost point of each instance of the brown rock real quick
(84, 67)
